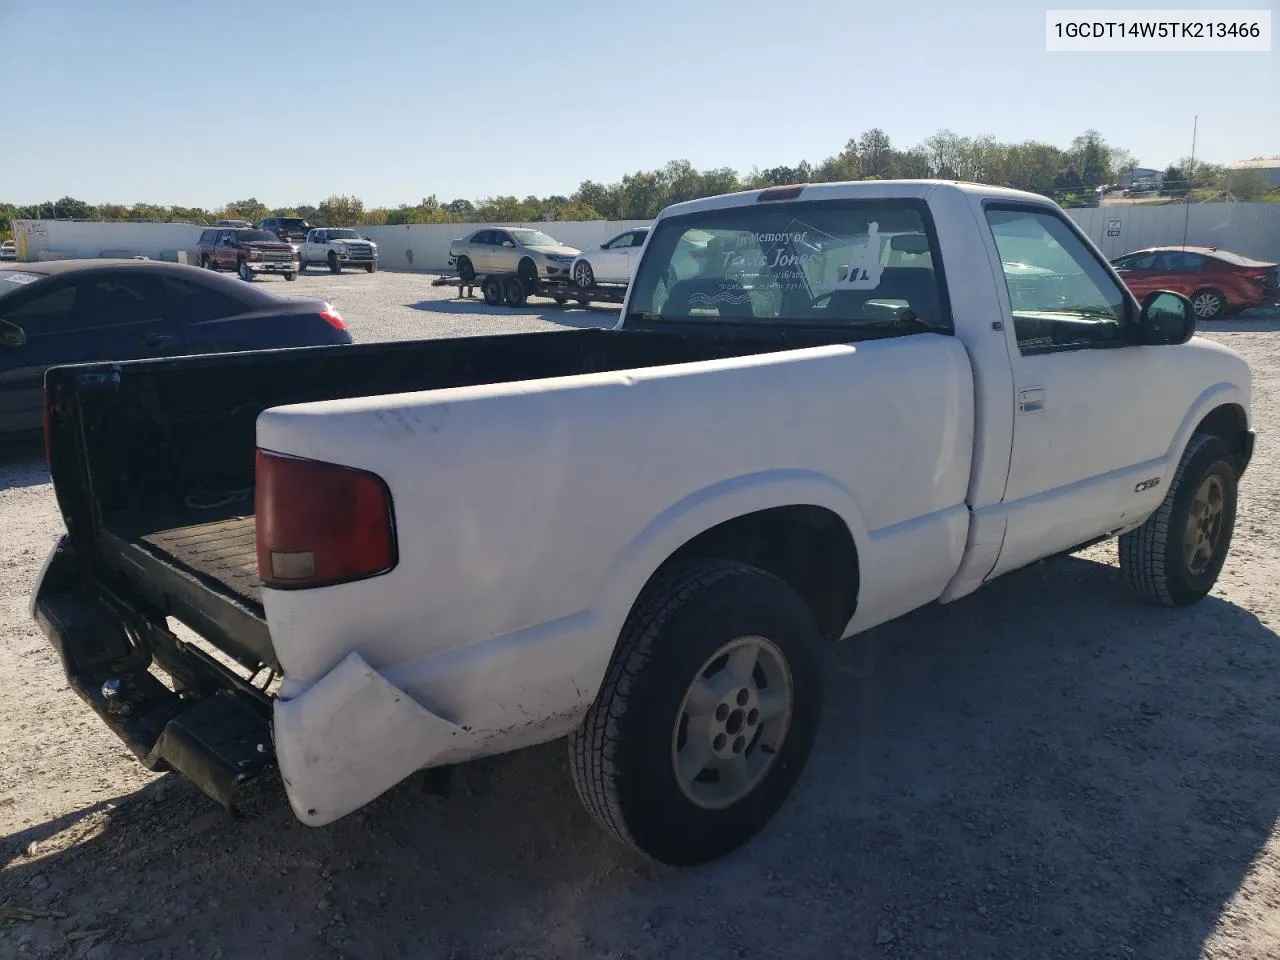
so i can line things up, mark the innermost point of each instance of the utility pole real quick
(1186, 217)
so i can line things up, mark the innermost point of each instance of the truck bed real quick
(221, 550)
(153, 461)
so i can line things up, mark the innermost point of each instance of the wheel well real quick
(1229, 423)
(809, 547)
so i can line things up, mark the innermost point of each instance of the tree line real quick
(1069, 175)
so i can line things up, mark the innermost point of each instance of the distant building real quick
(1269, 167)
(1140, 175)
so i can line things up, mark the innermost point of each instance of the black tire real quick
(207, 264)
(583, 275)
(1153, 557)
(370, 267)
(302, 266)
(513, 292)
(527, 271)
(466, 272)
(1208, 304)
(291, 276)
(621, 757)
(561, 301)
(243, 271)
(334, 265)
(492, 291)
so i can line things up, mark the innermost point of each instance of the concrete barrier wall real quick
(1251, 229)
(417, 246)
(425, 246)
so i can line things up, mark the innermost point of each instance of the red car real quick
(1216, 281)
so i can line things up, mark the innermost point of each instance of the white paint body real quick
(614, 261)
(530, 515)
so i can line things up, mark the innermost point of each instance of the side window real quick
(320, 237)
(191, 303)
(481, 236)
(637, 238)
(500, 237)
(1188, 262)
(48, 313)
(118, 300)
(618, 243)
(1062, 296)
(1137, 261)
(206, 236)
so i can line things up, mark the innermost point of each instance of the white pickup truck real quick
(856, 400)
(337, 247)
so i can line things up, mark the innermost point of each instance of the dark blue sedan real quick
(76, 311)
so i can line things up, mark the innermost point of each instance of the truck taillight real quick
(320, 523)
(332, 317)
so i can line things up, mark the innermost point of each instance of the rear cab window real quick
(871, 266)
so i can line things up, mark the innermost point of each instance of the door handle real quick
(156, 339)
(1031, 399)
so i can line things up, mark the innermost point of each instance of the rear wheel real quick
(334, 265)
(1208, 304)
(492, 290)
(466, 272)
(583, 275)
(245, 273)
(1175, 557)
(513, 292)
(208, 264)
(707, 713)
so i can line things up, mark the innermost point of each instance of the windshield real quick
(343, 235)
(814, 263)
(12, 281)
(253, 236)
(534, 238)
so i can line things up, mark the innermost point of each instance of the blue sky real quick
(181, 103)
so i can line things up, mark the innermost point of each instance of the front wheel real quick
(291, 276)
(245, 273)
(334, 265)
(492, 290)
(1174, 558)
(466, 272)
(707, 713)
(369, 267)
(583, 275)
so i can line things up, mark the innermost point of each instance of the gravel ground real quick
(1046, 769)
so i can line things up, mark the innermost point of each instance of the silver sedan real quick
(530, 253)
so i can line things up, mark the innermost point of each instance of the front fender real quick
(1215, 396)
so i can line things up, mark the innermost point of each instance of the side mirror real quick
(11, 335)
(1167, 318)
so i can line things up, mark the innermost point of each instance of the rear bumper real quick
(212, 726)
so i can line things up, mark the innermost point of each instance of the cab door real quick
(1095, 412)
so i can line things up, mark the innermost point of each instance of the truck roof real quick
(857, 190)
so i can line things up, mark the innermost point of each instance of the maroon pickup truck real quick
(247, 251)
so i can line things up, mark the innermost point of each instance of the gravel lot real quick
(1044, 769)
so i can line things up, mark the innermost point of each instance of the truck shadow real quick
(22, 462)
(1045, 768)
